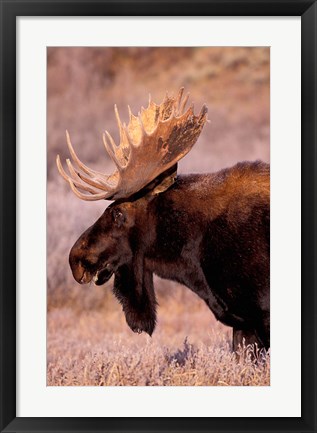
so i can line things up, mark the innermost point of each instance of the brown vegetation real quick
(88, 342)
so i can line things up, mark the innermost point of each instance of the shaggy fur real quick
(210, 232)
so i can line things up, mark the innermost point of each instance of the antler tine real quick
(78, 162)
(124, 147)
(78, 180)
(118, 121)
(111, 149)
(130, 112)
(203, 111)
(117, 115)
(178, 100)
(95, 182)
(78, 183)
(92, 197)
(60, 168)
(75, 177)
(183, 104)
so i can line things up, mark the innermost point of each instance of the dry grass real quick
(189, 348)
(88, 341)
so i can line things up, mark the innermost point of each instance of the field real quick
(189, 347)
(88, 341)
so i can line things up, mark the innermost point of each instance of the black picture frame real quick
(10, 10)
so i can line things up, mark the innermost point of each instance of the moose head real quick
(146, 162)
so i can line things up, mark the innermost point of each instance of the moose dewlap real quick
(210, 232)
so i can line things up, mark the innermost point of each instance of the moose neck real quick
(158, 185)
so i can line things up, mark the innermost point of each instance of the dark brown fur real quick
(210, 232)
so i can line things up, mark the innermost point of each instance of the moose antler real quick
(150, 144)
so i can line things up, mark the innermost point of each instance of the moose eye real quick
(118, 217)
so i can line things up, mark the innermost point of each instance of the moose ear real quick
(118, 217)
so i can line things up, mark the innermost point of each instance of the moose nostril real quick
(79, 273)
(82, 280)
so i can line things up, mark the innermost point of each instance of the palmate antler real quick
(150, 144)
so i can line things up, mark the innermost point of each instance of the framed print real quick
(178, 303)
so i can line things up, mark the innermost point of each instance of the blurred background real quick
(83, 84)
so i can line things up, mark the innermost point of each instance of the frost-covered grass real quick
(84, 351)
(95, 347)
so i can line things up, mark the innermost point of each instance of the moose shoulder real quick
(209, 232)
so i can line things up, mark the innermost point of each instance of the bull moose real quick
(210, 232)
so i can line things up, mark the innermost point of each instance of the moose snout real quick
(79, 273)
(83, 261)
